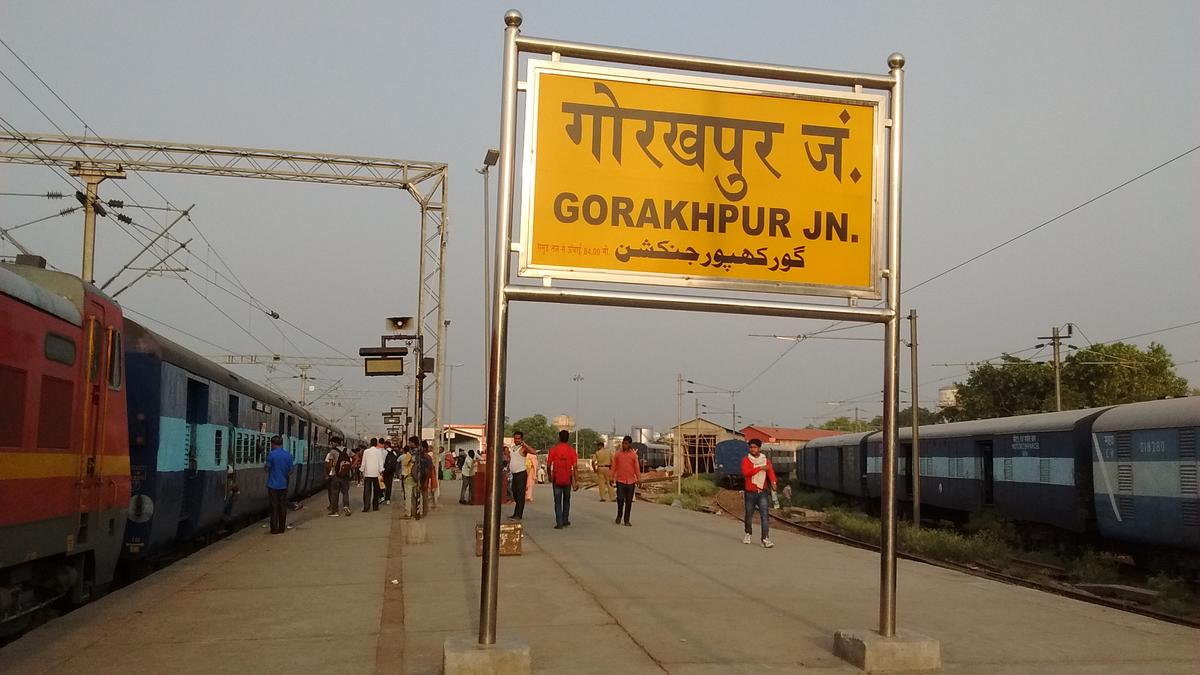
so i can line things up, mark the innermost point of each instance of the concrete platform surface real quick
(678, 593)
(308, 600)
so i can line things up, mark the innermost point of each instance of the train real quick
(653, 456)
(1122, 476)
(118, 445)
(728, 461)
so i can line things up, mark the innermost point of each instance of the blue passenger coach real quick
(199, 435)
(1145, 473)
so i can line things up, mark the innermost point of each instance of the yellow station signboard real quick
(640, 177)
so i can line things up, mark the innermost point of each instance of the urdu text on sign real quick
(647, 178)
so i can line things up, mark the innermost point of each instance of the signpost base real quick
(465, 656)
(414, 532)
(872, 652)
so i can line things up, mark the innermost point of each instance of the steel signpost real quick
(785, 184)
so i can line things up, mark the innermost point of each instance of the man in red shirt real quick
(563, 462)
(627, 475)
(757, 470)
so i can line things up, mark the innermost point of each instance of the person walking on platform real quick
(564, 476)
(757, 470)
(431, 493)
(389, 470)
(468, 474)
(356, 467)
(531, 467)
(627, 475)
(372, 467)
(279, 470)
(404, 473)
(602, 461)
(423, 468)
(331, 466)
(341, 479)
(517, 468)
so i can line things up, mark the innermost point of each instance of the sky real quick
(1016, 113)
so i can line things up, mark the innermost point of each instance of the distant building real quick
(699, 438)
(785, 436)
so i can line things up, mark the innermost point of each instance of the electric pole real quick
(1056, 339)
(914, 460)
(92, 177)
(677, 435)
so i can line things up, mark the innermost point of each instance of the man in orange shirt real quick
(627, 475)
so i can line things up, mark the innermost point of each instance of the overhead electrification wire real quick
(1055, 218)
(164, 324)
(836, 325)
(233, 278)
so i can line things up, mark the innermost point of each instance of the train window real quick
(54, 413)
(115, 367)
(12, 407)
(60, 348)
(218, 444)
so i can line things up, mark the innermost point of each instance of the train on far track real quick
(117, 445)
(1124, 477)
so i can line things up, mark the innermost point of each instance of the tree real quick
(904, 418)
(588, 438)
(1119, 373)
(847, 424)
(538, 433)
(1012, 387)
(1096, 376)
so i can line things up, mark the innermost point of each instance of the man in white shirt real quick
(516, 469)
(372, 467)
(468, 475)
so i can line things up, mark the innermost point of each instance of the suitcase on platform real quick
(510, 539)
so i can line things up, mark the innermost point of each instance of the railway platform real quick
(678, 592)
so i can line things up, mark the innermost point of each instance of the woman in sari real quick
(531, 465)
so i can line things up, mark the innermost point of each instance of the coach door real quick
(88, 482)
(196, 416)
(301, 458)
(988, 457)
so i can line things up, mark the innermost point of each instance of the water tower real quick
(642, 434)
(948, 396)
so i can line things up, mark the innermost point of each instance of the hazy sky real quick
(1016, 112)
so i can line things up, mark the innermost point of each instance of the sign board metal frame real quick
(530, 158)
(504, 292)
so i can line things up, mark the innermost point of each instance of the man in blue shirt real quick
(279, 469)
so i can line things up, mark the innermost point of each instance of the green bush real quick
(928, 542)
(1093, 568)
(947, 545)
(818, 500)
(690, 502)
(700, 485)
(1175, 596)
(854, 525)
(990, 523)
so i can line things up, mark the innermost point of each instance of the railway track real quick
(975, 570)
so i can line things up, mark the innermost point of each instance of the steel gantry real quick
(426, 182)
